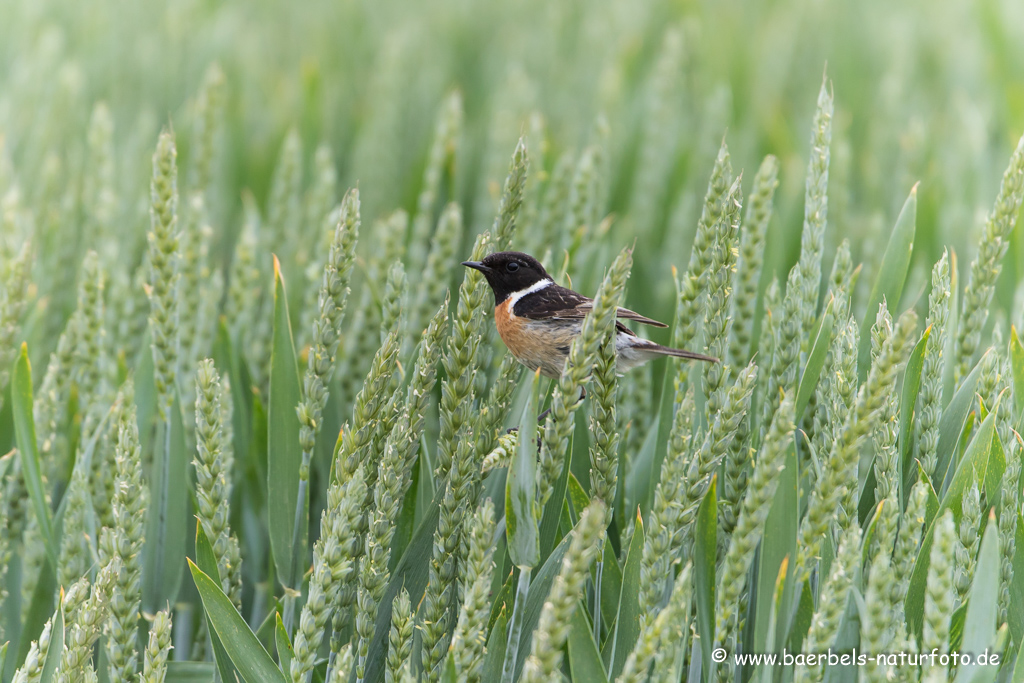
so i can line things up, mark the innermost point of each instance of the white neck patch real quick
(514, 297)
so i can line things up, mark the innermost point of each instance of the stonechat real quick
(538, 319)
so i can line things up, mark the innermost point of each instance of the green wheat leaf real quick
(952, 423)
(284, 456)
(892, 273)
(627, 617)
(25, 431)
(908, 399)
(248, 655)
(584, 657)
(167, 514)
(705, 550)
(815, 361)
(520, 515)
(972, 467)
(206, 560)
(56, 645)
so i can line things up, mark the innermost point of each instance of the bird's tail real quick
(677, 353)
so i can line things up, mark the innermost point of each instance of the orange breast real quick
(535, 344)
(510, 328)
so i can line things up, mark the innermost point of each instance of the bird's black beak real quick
(477, 265)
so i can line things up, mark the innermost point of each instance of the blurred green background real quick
(924, 91)
(928, 92)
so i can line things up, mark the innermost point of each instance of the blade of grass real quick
(815, 361)
(952, 423)
(548, 533)
(283, 454)
(285, 653)
(206, 560)
(229, 362)
(40, 609)
(56, 649)
(584, 659)
(520, 514)
(521, 528)
(973, 465)
(410, 573)
(189, 672)
(627, 616)
(25, 434)
(253, 662)
(1015, 615)
(1017, 371)
(983, 606)
(781, 526)
(540, 586)
(908, 399)
(495, 658)
(639, 486)
(995, 468)
(166, 535)
(892, 273)
(802, 619)
(705, 551)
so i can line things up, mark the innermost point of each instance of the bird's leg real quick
(543, 416)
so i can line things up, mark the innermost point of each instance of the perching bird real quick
(537, 319)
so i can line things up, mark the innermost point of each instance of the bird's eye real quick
(512, 266)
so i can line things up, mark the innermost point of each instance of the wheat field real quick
(257, 424)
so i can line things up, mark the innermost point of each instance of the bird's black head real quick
(508, 272)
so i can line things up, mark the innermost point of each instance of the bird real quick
(538, 319)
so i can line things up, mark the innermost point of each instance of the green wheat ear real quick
(163, 266)
(399, 638)
(692, 285)
(468, 640)
(89, 369)
(827, 619)
(99, 187)
(393, 481)
(214, 464)
(125, 541)
(207, 128)
(154, 669)
(663, 535)
(13, 302)
(750, 525)
(987, 264)
(877, 621)
(939, 592)
(553, 627)
(719, 294)
(939, 302)
(967, 541)
(750, 262)
(85, 621)
(1008, 521)
(812, 238)
(659, 633)
(333, 566)
(582, 354)
(834, 483)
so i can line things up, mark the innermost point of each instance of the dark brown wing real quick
(632, 315)
(552, 302)
(559, 302)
